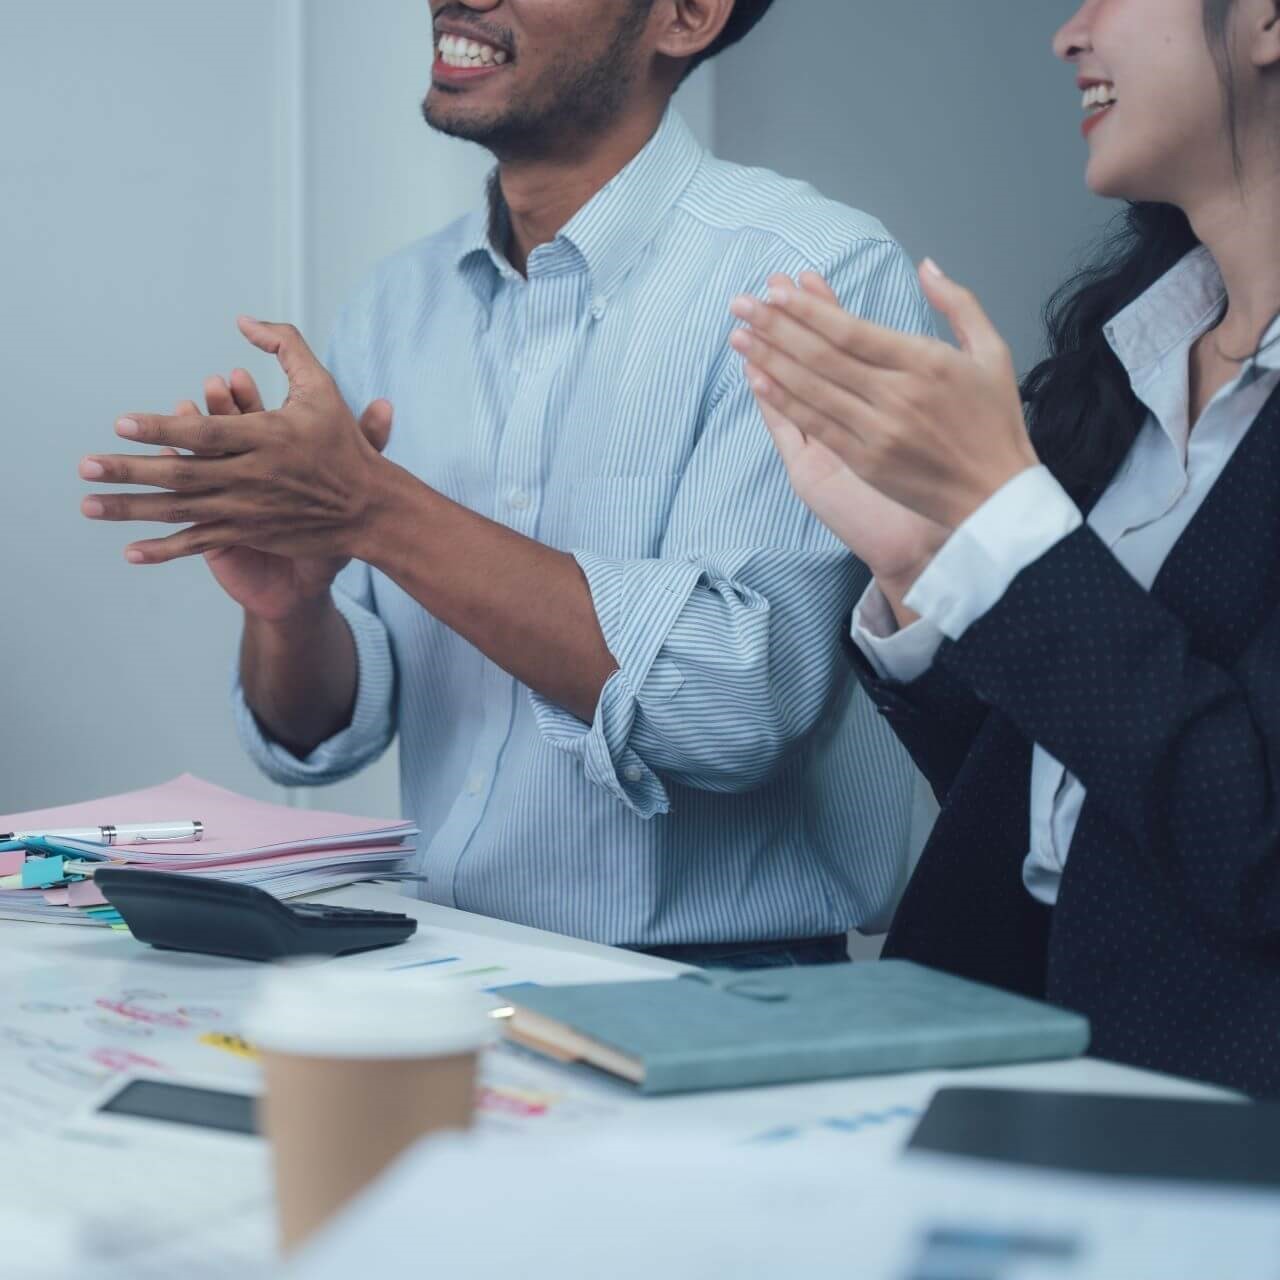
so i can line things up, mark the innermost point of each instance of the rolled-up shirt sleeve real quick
(372, 724)
(728, 644)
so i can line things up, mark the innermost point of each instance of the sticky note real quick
(41, 873)
(229, 1044)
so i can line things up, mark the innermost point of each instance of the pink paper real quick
(84, 893)
(11, 862)
(233, 823)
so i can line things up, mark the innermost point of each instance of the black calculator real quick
(221, 918)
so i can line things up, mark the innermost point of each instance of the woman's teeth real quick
(1098, 97)
(456, 51)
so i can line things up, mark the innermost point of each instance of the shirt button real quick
(597, 309)
(519, 500)
(633, 773)
(475, 783)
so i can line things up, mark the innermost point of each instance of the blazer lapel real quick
(1222, 578)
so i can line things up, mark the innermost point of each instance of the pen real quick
(137, 833)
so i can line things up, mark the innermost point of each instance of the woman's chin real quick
(1111, 181)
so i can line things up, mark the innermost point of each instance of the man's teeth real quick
(457, 51)
(1098, 96)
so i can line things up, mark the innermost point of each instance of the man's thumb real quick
(375, 423)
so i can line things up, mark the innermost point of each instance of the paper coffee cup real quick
(357, 1067)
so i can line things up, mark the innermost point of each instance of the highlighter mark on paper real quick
(124, 1060)
(236, 1045)
(514, 1102)
(154, 1016)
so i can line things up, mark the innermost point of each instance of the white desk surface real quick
(88, 977)
(33, 943)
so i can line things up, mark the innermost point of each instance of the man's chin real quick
(455, 119)
(446, 114)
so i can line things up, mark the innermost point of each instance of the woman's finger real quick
(871, 343)
(788, 439)
(808, 348)
(816, 285)
(968, 320)
(843, 409)
(810, 423)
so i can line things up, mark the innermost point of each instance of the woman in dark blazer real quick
(1076, 629)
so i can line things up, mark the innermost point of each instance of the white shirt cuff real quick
(975, 567)
(900, 654)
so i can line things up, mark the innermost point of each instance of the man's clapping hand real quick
(275, 500)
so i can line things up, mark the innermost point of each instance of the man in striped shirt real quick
(575, 580)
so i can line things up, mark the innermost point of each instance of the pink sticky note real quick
(11, 862)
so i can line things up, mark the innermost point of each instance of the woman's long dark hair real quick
(1081, 411)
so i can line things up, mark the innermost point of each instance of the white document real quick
(639, 1207)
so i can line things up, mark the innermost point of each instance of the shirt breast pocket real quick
(624, 517)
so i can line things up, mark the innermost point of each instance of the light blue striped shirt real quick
(733, 787)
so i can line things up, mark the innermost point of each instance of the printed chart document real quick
(88, 1005)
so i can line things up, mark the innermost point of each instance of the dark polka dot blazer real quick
(1166, 705)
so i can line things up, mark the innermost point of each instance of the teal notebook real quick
(723, 1030)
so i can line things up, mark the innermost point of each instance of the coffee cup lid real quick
(327, 1011)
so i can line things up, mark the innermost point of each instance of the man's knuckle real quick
(182, 476)
(209, 434)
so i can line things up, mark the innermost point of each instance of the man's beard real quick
(572, 101)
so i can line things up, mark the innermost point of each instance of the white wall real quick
(169, 165)
(140, 212)
(950, 121)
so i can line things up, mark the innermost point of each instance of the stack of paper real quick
(286, 851)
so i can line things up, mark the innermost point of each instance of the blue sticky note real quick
(43, 873)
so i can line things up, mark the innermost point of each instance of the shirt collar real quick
(1173, 313)
(607, 234)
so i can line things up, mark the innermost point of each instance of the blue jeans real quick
(757, 955)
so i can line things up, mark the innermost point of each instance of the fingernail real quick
(134, 557)
(781, 293)
(740, 340)
(92, 508)
(91, 470)
(743, 308)
(127, 427)
(933, 269)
